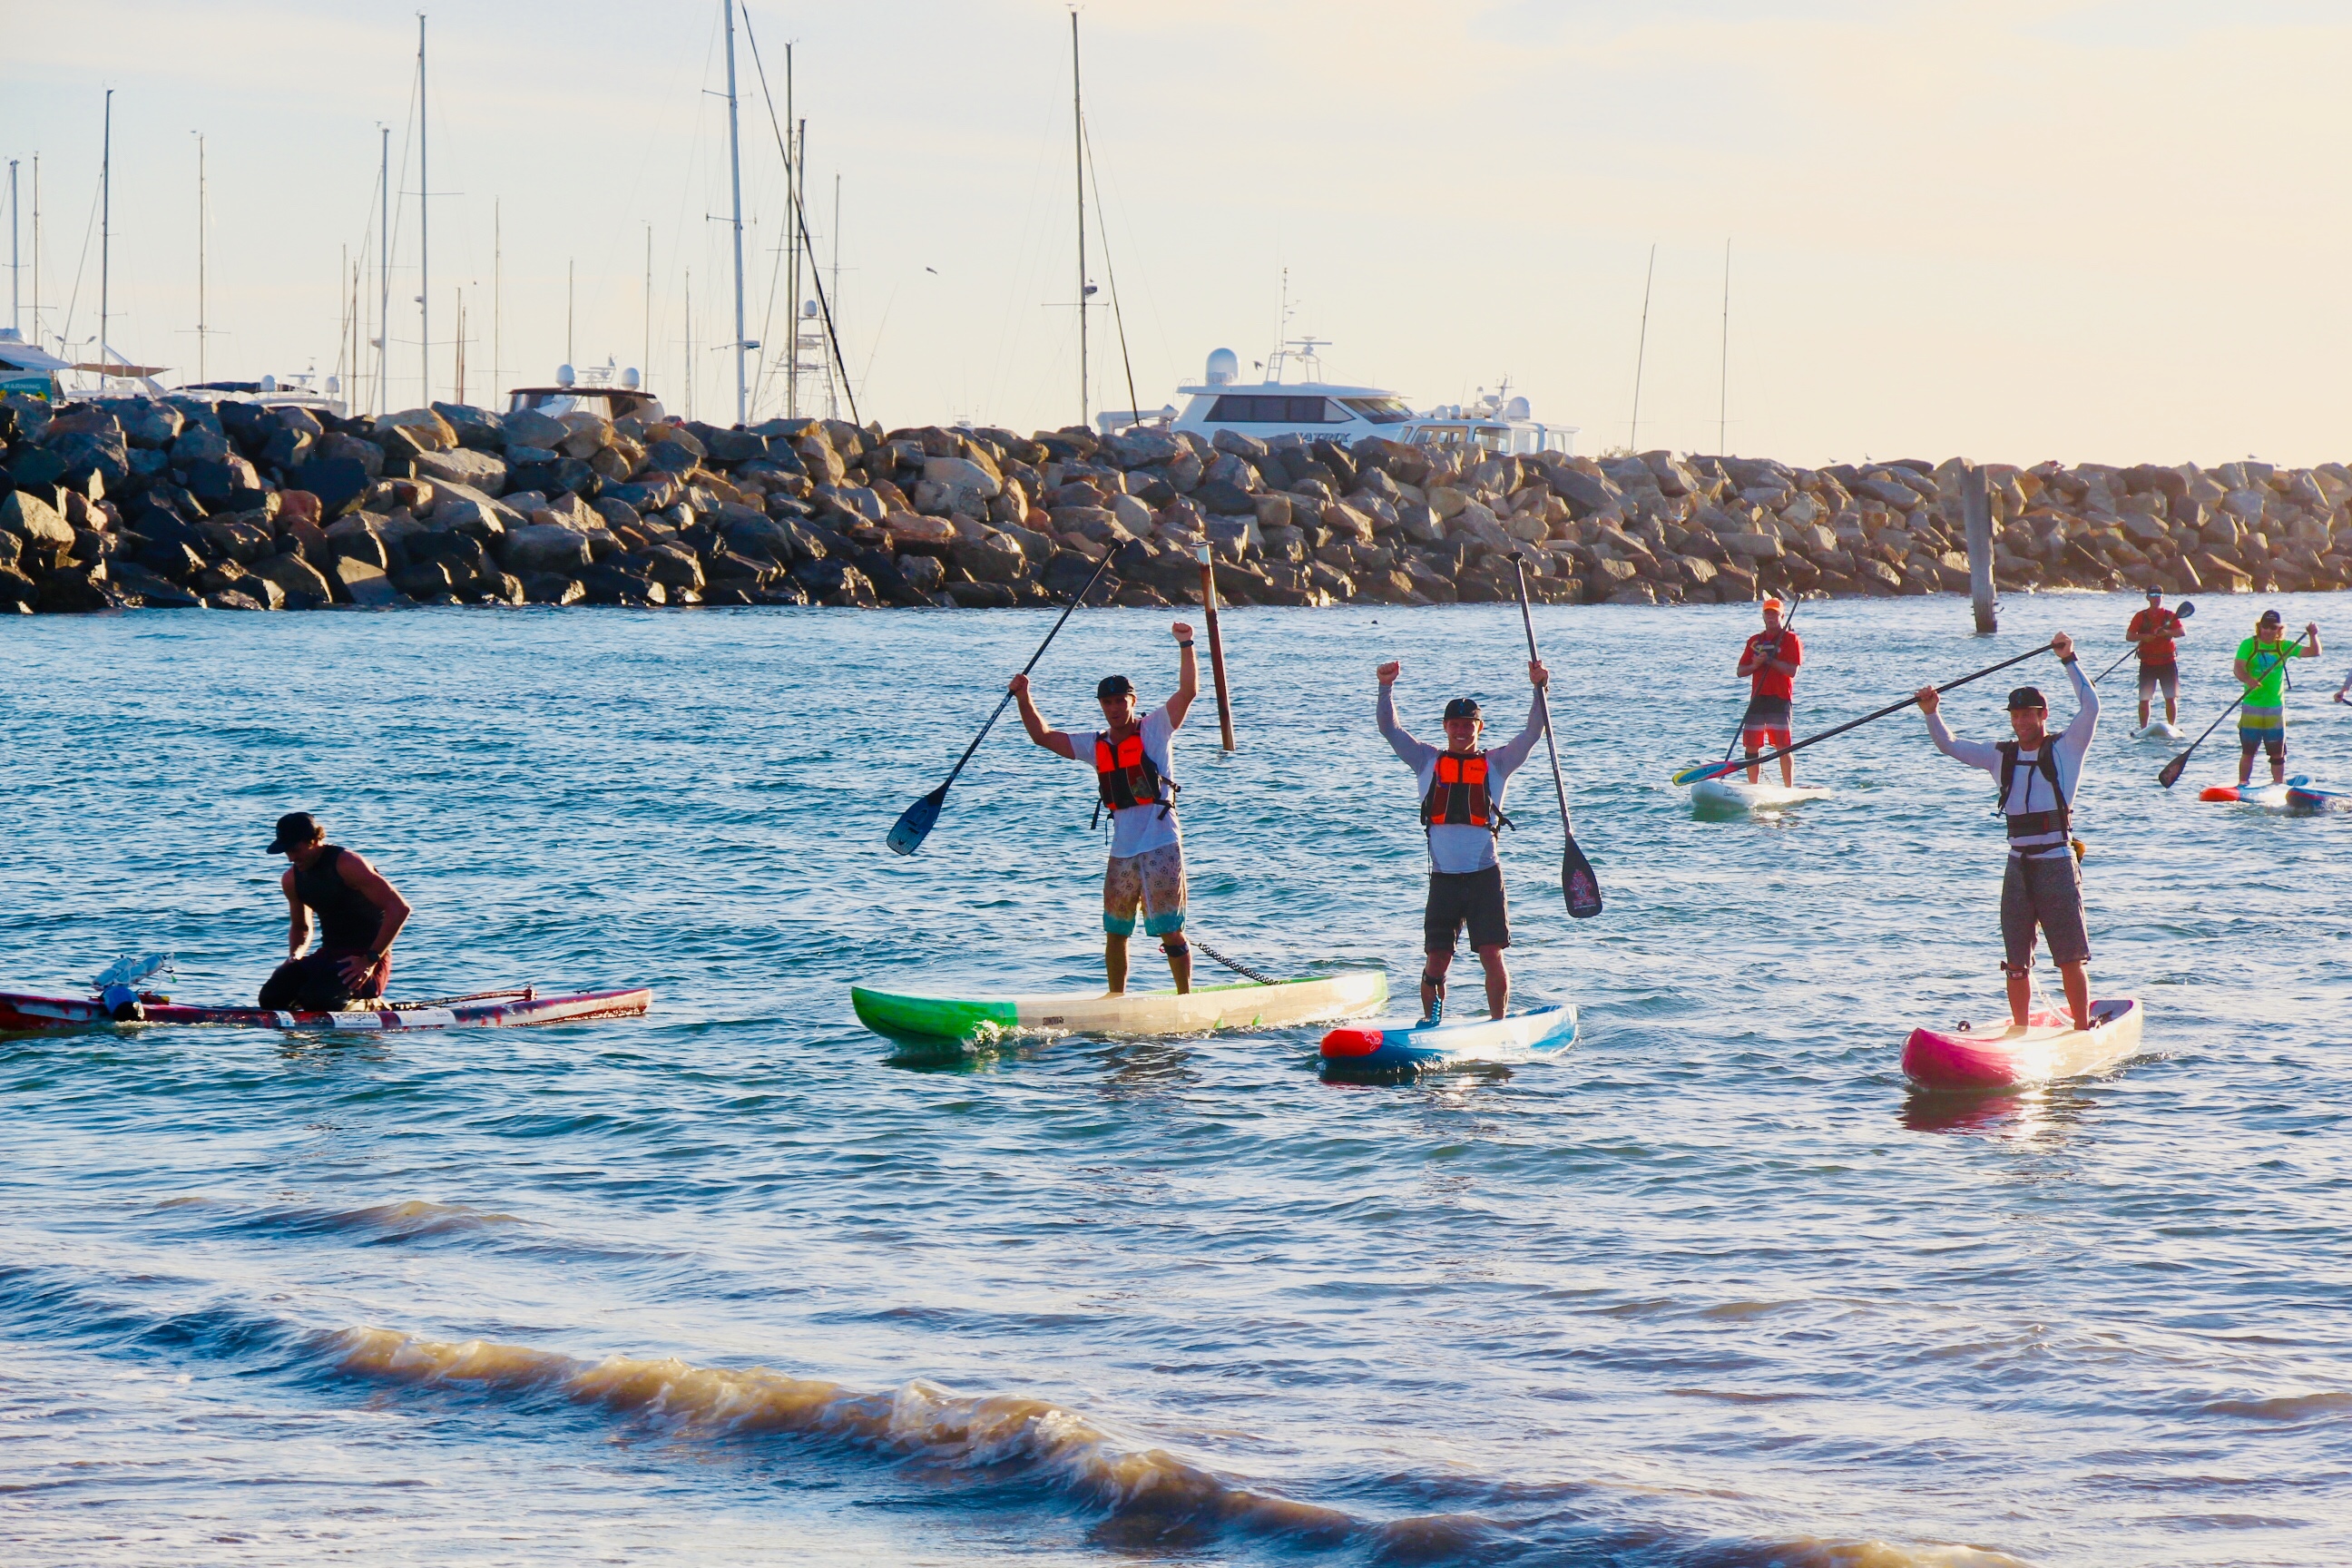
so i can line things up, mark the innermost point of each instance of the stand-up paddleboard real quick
(1410, 1045)
(2303, 797)
(1727, 796)
(2048, 1047)
(2295, 795)
(2158, 729)
(505, 1009)
(909, 1015)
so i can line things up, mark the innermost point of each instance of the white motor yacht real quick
(1314, 409)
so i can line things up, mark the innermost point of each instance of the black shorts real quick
(315, 984)
(1472, 898)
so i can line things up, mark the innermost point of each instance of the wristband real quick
(1184, 645)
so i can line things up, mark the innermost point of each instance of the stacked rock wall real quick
(127, 502)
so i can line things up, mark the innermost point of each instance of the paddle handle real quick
(1080, 598)
(1891, 708)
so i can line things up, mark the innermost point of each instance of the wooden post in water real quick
(1975, 518)
(1216, 648)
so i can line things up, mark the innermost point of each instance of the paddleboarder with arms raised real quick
(2042, 886)
(2261, 668)
(1770, 660)
(2156, 631)
(1462, 812)
(359, 915)
(1134, 779)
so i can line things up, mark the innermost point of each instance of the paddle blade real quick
(1705, 770)
(915, 824)
(2171, 774)
(2187, 609)
(1578, 883)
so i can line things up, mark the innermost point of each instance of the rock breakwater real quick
(120, 503)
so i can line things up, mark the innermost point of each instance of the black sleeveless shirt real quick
(348, 923)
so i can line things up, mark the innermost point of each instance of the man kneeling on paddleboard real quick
(1462, 812)
(1770, 659)
(359, 914)
(1133, 778)
(2043, 884)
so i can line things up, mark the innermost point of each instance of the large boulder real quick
(341, 483)
(364, 582)
(100, 453)
(304, 588)
(955, 485)
(1225, 499)
(34, 520)
(537, 547)
(531, 428)
(995, 557)
(428, 430)
(484, 471)
(468, 510)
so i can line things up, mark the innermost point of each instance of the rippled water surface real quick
(735, 1282)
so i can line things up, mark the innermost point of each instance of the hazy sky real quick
(2094, 231)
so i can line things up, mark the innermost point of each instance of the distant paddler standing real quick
(2156, 631)
(1133, 777)
(359, 914)
(2261, 668)
(1462, 812)
(1770, 660)
(2042, 885)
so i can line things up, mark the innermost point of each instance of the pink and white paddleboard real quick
(2003, 1056)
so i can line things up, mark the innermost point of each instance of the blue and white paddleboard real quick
(1405, 1045)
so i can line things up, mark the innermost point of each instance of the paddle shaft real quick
(1543, 694)
(2172, 770)
(1216, 649)
(1891, 708)
(1078, 599)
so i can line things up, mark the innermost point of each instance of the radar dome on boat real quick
(334, 385)
(1518, 408)
(565, 376)
(808, 309)
(268, 384)
(1224, 367)
(629, 378)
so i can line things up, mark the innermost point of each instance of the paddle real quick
(2170, 774)
(915, 824)
(1577, 883)
(1716, 770)
(1739, 733)
(2187, 609)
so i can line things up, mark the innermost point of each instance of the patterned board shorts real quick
(2046, 893)
(1153, 880)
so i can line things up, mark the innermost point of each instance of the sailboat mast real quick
(424, 232)
(1723, 371)
(384, 271)
(1079, 161)
(735, 183)
(200, 257)
(15, 306)
(105, 233)
(497, 293)
(793, 228)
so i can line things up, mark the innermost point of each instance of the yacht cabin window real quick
(1235, 409)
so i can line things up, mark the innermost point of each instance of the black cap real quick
(2028, 697)
(295, 830)
(1462, 708)
(1111, 686)
(2156, 593)
(2270, 618)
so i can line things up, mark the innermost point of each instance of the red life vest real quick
(1126, 775)
(1457, 795)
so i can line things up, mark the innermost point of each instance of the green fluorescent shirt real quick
(2258, 655)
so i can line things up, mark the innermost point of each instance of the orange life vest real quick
(1457, 795)
(1125, 776)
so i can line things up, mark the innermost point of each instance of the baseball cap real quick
(2156, 593)
(295, 830)
(1462, 708)
(2028, 697)
(1111, 686)
(1772, 602)
(2270, 618)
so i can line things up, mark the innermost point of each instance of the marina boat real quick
(1314, 409)
(606, 391)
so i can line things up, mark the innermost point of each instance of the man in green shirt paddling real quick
(2261, 668)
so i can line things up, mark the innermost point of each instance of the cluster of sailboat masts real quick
(815, 344)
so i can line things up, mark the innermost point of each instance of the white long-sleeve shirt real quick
(2029, 791)
(1455, 847)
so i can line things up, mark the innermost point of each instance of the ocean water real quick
(740, 1282)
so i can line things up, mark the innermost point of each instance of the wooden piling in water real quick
(1216, 648)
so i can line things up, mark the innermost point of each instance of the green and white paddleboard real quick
(1247, 1006)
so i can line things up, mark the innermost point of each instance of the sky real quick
(2004, 229)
